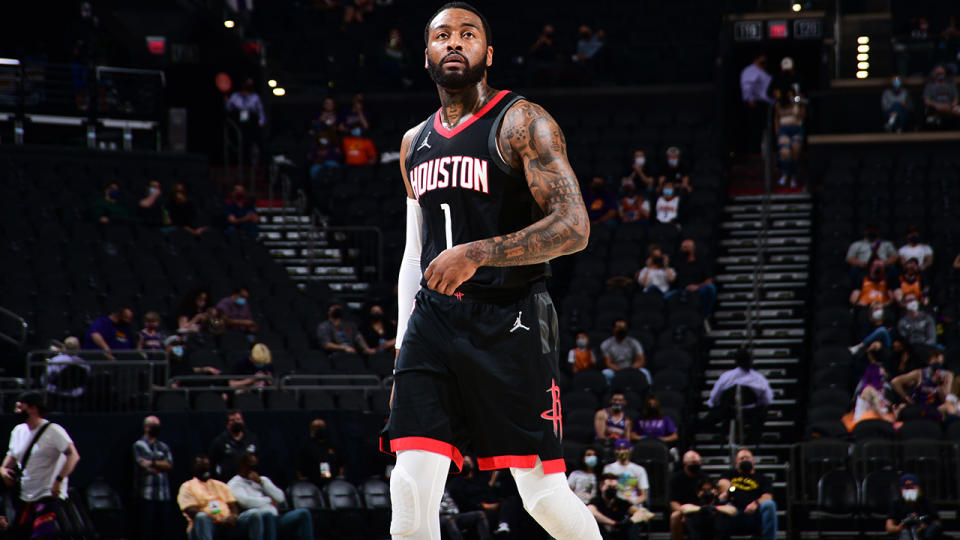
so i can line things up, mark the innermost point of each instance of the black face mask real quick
(236, 428)
(871, 236)
(707, 498)
(376, 317)
(22, 416)
(153, 431)
(320, 434)
(336, 313)
(746, 467)
(936, 366)
(694, 469)
(913, 239)
(202, 472)
(610, 493)
(620, 333)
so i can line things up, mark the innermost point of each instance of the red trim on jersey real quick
(520, 462)
(449, 133)
(429, 445)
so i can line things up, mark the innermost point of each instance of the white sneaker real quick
(782, 181)
(855, 349)
(503, 528)
(706, 326)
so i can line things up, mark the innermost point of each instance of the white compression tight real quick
(416, 487)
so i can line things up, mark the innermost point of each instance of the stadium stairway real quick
(776, 310)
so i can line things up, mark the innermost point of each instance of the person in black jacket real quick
(235, 441)
(912, 515)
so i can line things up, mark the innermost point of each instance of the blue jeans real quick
(881, 334)
(249, 527)
(901, 117)
(707, 294)
(764, 521)
(608, 373)
(296, 524)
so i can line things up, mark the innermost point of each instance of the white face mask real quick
(913, 305)
(581, 343)
(878, 315)
(640, 161)
(673, 162)
(910, 495)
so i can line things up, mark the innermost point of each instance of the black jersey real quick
(467, 192)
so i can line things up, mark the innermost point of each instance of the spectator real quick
(112, 332)
(912, 515)
(913, 249)
(617, 517)
(685, 488)
(211, 509)
(258, 493)
(110, 209)
(236, 311)
(754, 85)
(356, 12)
(910, 283)
(675, 170)
(358, 149)
(259, 363)
(632, 483)
(668, 203)
(454, 522)
(150, 209)
(324, 155)
(581, 357)
(472, 493)
(601, 205)
(395, 62)
(877, 332)
(43, 479)
(940, 97)
(653, 424)
(67, 374)
(327, 121)
(235, 441)
(870, 403)
(241, 213)
(916, 327)
(694, 275)
(545, 58)
(706, 519)
(621, 351)
(873, 287)
(633, 207)
(379, 331)
(178, 364)
(183, 213)
(928, 386)
(339, 336)
(153, 461)
(870, 247)
(789, 115)
(752, 494)
(588, 44)
(638, 173)
(753, 414)
(245, 108)
(356, 116)
(613, 422)
(192, 312)
(152, 337)
(583, 480)
(786, 80)
(317, 460)
(657, 274)
(895, 103)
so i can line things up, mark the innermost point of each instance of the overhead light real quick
(279, 91)
(797, 8)
(863, 65)
(862, 74)
(863, 40)
(863, 48)
(863, 57)
(229, 23)
(272, 83)
(9, 62)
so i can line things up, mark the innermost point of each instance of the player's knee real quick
(676, 517)
(405, 501)
(548, 498)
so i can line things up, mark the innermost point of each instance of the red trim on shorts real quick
(520, 462)
(429, 445)
(449, 133)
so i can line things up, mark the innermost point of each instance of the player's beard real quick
(456, 80)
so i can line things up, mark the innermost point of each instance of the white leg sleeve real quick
(416, 487)
(551, 502)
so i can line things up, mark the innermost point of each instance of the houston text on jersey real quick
(449, 172)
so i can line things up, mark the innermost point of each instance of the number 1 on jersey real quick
(447, 224)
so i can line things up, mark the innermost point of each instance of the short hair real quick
(232, 412)
(240, 288)
(151, 316)
(609, 476)
(487, 32)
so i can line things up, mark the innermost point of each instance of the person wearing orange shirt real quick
(582, 357)
(873, 288)
(357, 149)
(211, 509)
(910, 282)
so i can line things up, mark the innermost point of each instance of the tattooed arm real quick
(529, 138)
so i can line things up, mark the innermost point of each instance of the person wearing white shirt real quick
(913, 249)
(259, 493)
(633, 483)
(668, 204)
(43, 481)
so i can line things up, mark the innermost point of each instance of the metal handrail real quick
(122, 359)
(294, 382)
(220, 378)
(23, 328)
(231, 128)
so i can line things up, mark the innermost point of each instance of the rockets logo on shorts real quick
(450, 172)
(555, 413)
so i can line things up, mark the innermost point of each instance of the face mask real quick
(241, 301)
(707, 498)
(673, 162)
(320, 433)
(590, 461)
(153, 191)
(897, 84)
(336, 313)
(936, 366)
(153, 430)
(376, 316)
(876, 273)
(467, 468)
(610, 493)
(877, 315)
(356, 132)
(114, 193)
(746, 467)
(694, 469)
(596, 187)
(668, 192)
(913, 305)
(630, 193)
(582, 343)
(323, 142)
(914, 239)
(620, 333)
(909, 494)
(616, 407)
(177, 350)
(236, 428)
(202, 472)
(940, 76)
(640, 161)
(871, 236)
(22, 416)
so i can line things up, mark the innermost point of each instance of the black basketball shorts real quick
(482, 378)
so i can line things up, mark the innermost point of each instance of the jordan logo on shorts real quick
(554, 413)
(517, 325)
(424, 144)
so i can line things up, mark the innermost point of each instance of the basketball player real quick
(491, 199)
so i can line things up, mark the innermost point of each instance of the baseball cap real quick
(172, 340)
(621, 444)
(908, 478)
(786, 63)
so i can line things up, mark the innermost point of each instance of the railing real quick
(86, 381)
(362, 247)
(13, 328)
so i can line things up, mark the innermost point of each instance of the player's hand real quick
(751, 508)
(449, 270)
